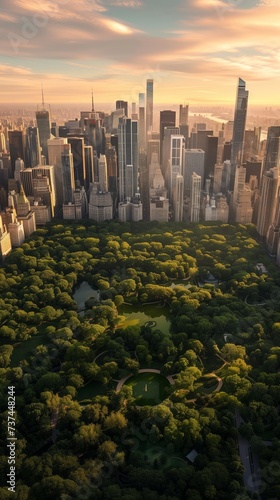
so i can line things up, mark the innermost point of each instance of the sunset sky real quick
(195, 50)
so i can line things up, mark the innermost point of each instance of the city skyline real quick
(194, 54)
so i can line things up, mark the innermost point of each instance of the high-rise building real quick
(128, 157)
(149, 105)
(5, 241)
(195, 198)
(142, 127)
(210, 159)
(166, 152)
(78, 152)
(55, 151)
(45, 187)
(177, 154)
(24, 214)
(122, 105)
(178, 202)
(238, 128)
(183, 115)
(89, 166)
(194, 162)
(267, 203)
(218, 175)
(242, 198)
(272, 154)
(44, 127)
(103, 174)
(167, 118)
(17, 146)
(68, 179)
(100, 204)
(33, 149)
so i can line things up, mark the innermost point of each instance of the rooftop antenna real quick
(43, 100)
(92, 102)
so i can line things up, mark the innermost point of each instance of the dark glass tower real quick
(238, 128)
(44, 127)
(272, 157)
(167, 118)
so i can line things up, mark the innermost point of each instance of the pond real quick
(139, 315)
(84, 292)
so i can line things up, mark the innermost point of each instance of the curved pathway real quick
(144, 370)
(96, 357)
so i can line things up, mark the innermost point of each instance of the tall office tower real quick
(194, 162)
(100, 204)
(134, 114)
(183, 115)
(202, 136)
(128, 157)
(5, 172)
(220, 149)
(267, 204)
(17, 146)
(210, 158)
(144, 185)
(68, 178)
(112, 170)
(253, 167)
(89, 165)
(153, 146)
(142, 126)
(195, 197)
(44, 127)
(19, 166)
(2, 142)
(103, 174)
(177, 157)
(228, 131)
(55, 151)
(272, 154)
(5, 241)
(3, 198)
(47, 186)
(238, 128)
(242, 210)
(273, 233)
(165, 162)
(78, 151)
(16, 231)
(218, 175)
(122, 105)
(227, 151)
(167, 118)
(24, 214)
(226, 176)
(26, 179)
(178, 198)
(149, 105)
(33, 149)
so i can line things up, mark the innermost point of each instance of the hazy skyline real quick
(195, 50)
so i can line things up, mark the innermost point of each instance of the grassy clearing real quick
(148, 388)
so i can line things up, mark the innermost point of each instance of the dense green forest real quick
(81, 434)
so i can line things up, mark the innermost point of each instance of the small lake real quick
(84, 292)
(139, 315)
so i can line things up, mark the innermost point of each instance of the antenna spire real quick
(92, 101)
(43, 100)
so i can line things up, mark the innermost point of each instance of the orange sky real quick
(194, 52)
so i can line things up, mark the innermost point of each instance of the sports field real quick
(148, 388)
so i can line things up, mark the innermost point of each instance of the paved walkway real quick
(144, 370)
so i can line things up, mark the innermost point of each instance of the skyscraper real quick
(195, 197)
(272, 154)
(78, 151)
(44, 127)
(142, 128)
(267, 205)
(167, 118)
(238, 128)
(17, 146)
(68, 180)
(33, 149)
(122, 105)
(128, 157)
(149, 105)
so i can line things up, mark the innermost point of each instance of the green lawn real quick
(24, 349)
(148, 388)
(90, 390)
